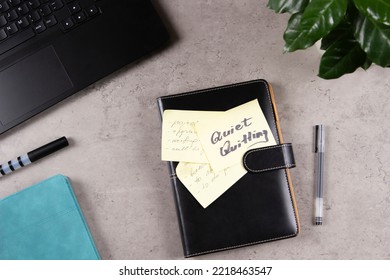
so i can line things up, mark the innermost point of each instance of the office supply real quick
(33, 156)
(319, 149)
(226, 138)
(45, 221)
(179, 141)
(260, 206)
(205, 184)
(194, 133)
(49, 50)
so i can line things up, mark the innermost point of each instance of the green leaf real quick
(290, 6)
(318, 19)
(352, 13)
(367, 64)
(292, 32)
(374, 39)
(343, 56)
(344, 29)
(378, 10)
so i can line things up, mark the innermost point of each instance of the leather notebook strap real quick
(269, 158)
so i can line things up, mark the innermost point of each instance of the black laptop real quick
(50, 49)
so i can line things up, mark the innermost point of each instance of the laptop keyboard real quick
(21, 20)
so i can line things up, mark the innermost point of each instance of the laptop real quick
(51, 49)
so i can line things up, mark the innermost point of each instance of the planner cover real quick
(45, 222)
(260, 206)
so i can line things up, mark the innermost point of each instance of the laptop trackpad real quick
(30, 83)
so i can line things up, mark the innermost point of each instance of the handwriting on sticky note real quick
(227, 137)
(210, 145)
(205, 184)
(179, 138)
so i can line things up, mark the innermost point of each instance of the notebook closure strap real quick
(269, 158)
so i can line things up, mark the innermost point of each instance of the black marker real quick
(32, 156)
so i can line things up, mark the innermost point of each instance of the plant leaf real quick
(374, 39)
(292, 32)
(318, 19)
(367, 63)
(290, 6)
(343, 56)
(378, 10)
(344, 29)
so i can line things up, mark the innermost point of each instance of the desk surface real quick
(114, 127)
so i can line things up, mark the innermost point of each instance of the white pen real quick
(319, 149)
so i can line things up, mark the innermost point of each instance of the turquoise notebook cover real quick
(45, 222)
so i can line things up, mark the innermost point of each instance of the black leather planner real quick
(259, 207)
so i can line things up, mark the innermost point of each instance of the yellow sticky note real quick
(179, 139)
(205, 184)
(227, 137)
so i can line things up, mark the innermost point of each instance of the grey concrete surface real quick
(114, 158)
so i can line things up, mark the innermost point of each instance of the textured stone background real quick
(114, 126)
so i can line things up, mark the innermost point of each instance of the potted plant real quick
(353, 33)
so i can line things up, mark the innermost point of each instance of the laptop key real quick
(23, 9)
(80, 17)
(45, 10)
(74, 8)
(56, 4)
(11, 29)
(34, 4)
(39, 27)
(3, 34)
(3, 21)
(12, 15)
(23, 22)
(14, 3)
(50, 21)
(16, 40)
(3, 6)
(91, 11)
(34, 16)
(67, 24)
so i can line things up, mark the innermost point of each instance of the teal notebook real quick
(45, 222)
